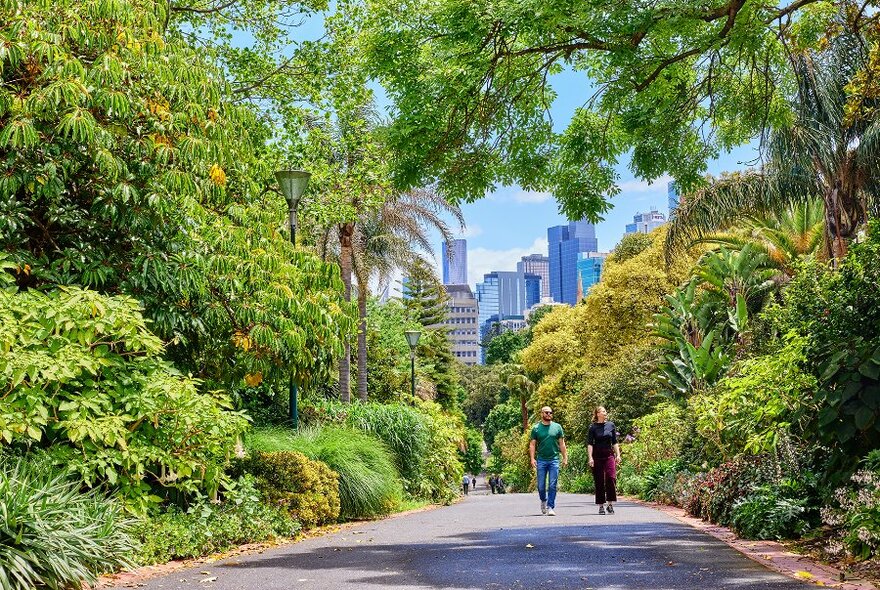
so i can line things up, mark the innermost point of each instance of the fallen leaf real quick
(211, 579)
(206, 573)
(803, 575)
(530, 546)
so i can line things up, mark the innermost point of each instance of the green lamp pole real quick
(293, 185)
(412, 337)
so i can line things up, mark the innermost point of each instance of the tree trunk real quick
(362, 343)
(844, 213)
(525, 413)
(346, 230)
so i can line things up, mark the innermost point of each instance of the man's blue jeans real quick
(548, 470)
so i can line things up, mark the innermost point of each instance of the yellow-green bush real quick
(658, 436)
(308, 489)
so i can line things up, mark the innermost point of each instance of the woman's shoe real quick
(601, 510)
(610, 509)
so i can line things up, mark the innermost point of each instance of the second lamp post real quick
(412, 338)
(293, 185)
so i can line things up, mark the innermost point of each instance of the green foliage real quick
(504, 347)
(51, 534)
(137, 171)
(369, 484)
(308, 490)
(404, 430)
(631, 245)
(659, 436)
(440, 479)
(577, 477)
(388, 370)
(854, 512)
(658, 480)
(483, 389)
(501, 418)
(84, 377)
(210, 527)
(510, 458)
(471, 456)
(762, 399)
(771, 512)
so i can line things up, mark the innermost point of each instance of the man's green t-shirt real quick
(547, 440)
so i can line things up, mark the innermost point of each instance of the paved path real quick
(483, 543)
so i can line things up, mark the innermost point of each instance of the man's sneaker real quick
(550, 512)
(543, 507)
(601, 510)
(610, 509)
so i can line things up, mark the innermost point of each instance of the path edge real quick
(771, 554)
(141, 574)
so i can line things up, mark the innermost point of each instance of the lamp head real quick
(412, 336)
(293, 185)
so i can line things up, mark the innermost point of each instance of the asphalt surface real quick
(496, 542)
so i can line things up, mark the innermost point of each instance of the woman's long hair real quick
(596, 413)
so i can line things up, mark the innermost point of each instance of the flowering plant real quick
(856, 516)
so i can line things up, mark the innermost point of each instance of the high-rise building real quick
(462, 323)
(532, 284)
(455, 262)
(589, 269)
(672, 196)
(537, 264)
(645, 223)
(565, 242)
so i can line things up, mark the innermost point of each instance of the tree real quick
(672, 82)
(387, 240)
(786, 237)
(820, 154)
(425, 301)
(482, 386)
(521, 387)
(504, 347)
(127, 167)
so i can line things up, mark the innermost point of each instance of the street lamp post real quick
(412, 337)
(293, 185)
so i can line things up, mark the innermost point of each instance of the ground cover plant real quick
(52, 535)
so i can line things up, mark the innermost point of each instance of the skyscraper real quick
(565, 242)
(646, 222)
(455, 262)
(589, 269)
(672, 196)
(537, 264)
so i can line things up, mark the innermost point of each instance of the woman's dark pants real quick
(605, 475)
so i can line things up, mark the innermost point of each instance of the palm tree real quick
(821, 154)
(517, 382)
(389, 239)
(783, 237)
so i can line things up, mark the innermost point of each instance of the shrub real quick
(440, 479)
(658, 436)
(856, 513)
(510, 458)
(472, 455)
(369, 484)
(629, 482)
(208, 527)
(51, 534)
(729, 482)
(501, 419)
(659, 479)
(308, 490)
(771, 512)
(85, 376)
(577, 477)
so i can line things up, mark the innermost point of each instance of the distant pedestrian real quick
(492, 482)
(465, 484)
(499, 485)
(474, 482)
(545, 447)
(604, 454)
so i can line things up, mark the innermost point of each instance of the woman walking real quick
(604, 454)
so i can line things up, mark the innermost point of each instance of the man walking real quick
(465, 484)
(546, 445)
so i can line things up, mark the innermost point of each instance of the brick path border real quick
(770, 554)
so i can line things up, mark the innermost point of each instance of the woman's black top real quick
(602, 436)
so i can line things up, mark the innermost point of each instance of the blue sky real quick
(510, 223)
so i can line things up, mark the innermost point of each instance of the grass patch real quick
(369, 484)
